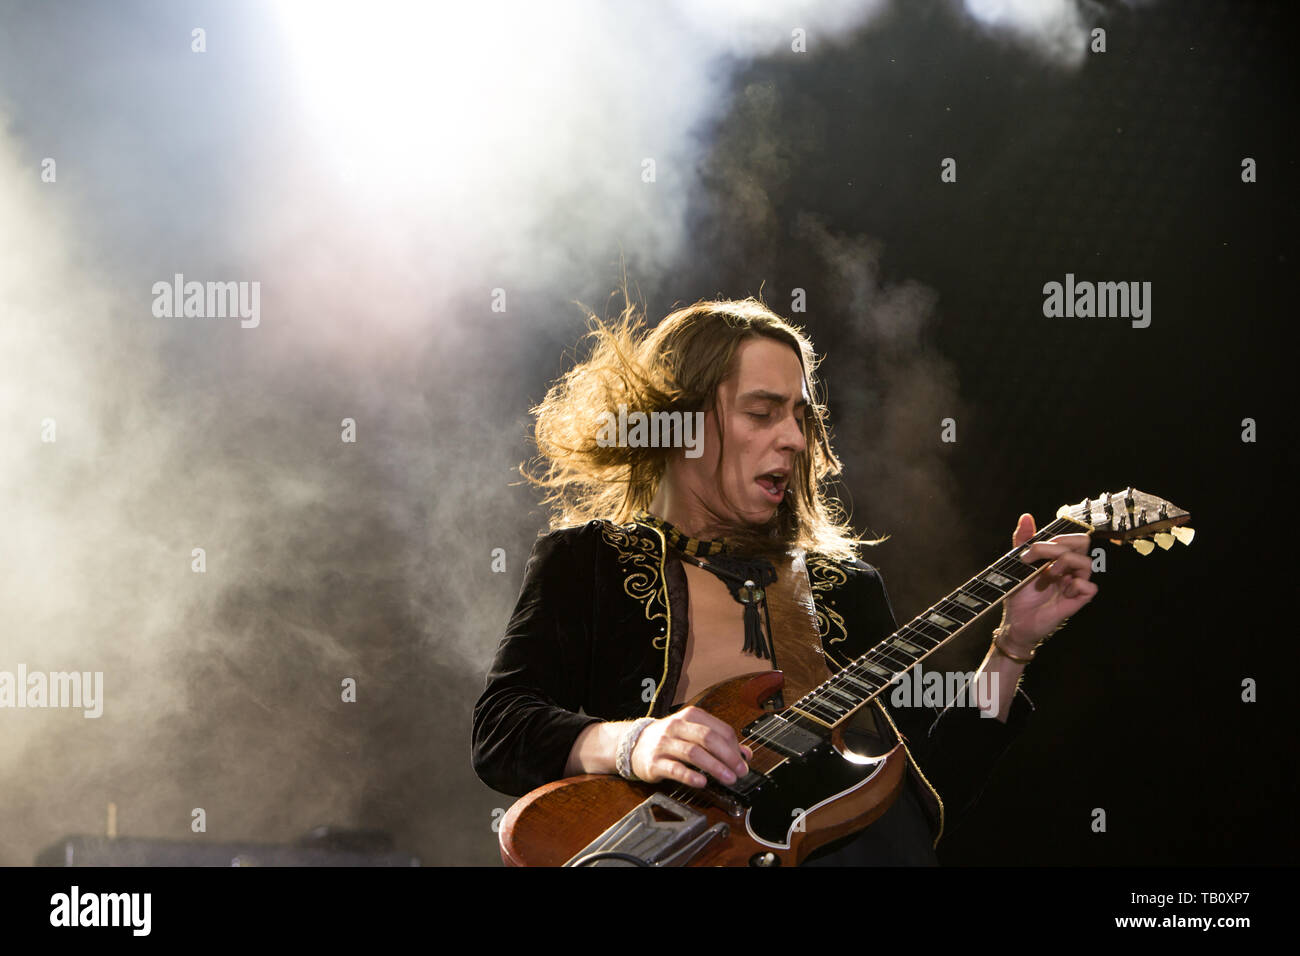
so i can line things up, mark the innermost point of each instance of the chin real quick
(764, 517)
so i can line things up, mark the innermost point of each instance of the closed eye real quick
(764, 416)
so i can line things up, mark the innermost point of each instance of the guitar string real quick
(687, 794)
(690, 795)
(882, 652)
(844, 679)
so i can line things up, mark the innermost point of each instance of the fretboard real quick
(838, 698)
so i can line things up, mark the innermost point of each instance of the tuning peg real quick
(1165, 540)
(1143, 546)
(1183, 534)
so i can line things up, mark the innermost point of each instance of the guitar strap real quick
(795, 633)
(793, 641)
(797, 636)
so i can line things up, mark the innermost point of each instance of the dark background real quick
(1127, 170)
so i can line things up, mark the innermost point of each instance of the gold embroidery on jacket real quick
(643, 572)
(824, 576)
(668, 621)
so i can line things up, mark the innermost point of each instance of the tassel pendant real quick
(746, 581)
(750, 595)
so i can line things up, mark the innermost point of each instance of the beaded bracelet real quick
(623, 761)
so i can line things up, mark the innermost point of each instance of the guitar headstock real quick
(1133, 516)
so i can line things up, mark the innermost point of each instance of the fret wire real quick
(812, 700)
(916, 636)
(882, 658)
(984, 591)
(974, 612)
(854, 680)
(851, 680)
(871, 680)
(918, 625)
(815, 705)
(888, 652)
(843, 695)
(952, 609)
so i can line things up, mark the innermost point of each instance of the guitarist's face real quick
(758, 425)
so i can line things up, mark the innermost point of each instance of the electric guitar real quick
(804, 787)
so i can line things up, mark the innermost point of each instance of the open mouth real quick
(773, 485)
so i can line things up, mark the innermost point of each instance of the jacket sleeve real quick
(956, 748)
(526, 720)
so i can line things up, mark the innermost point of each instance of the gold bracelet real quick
(1023, 660)
(1005, 653)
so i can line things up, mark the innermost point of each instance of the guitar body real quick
(803, 804)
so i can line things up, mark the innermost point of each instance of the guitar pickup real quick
(744, 789)
(785, 737)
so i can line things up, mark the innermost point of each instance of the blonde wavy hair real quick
(677, 367)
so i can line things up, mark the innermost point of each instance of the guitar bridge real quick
(658, 832)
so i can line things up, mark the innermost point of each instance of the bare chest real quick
(714, 644)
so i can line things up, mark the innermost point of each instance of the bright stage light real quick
(418, 91)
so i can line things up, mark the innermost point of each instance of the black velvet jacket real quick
(601, 627)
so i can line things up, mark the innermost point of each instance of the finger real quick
(721, 743)
(664, 768)
(699, 757)
(1054, 548)
(1083, 589)
(1070, 564)
(717, 736)
(1075, 542)
(1074, 594)
(1024, 530)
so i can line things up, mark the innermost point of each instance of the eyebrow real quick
(765, 395)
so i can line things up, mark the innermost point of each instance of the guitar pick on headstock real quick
(1132, 516)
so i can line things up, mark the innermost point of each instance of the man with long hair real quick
(679, 560)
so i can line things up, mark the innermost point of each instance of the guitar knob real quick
(765, 859)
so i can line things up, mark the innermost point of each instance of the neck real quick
(681, 509)
(683, 506)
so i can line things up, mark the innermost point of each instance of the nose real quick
(792, 435)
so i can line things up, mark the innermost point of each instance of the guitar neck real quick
(839, 698)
